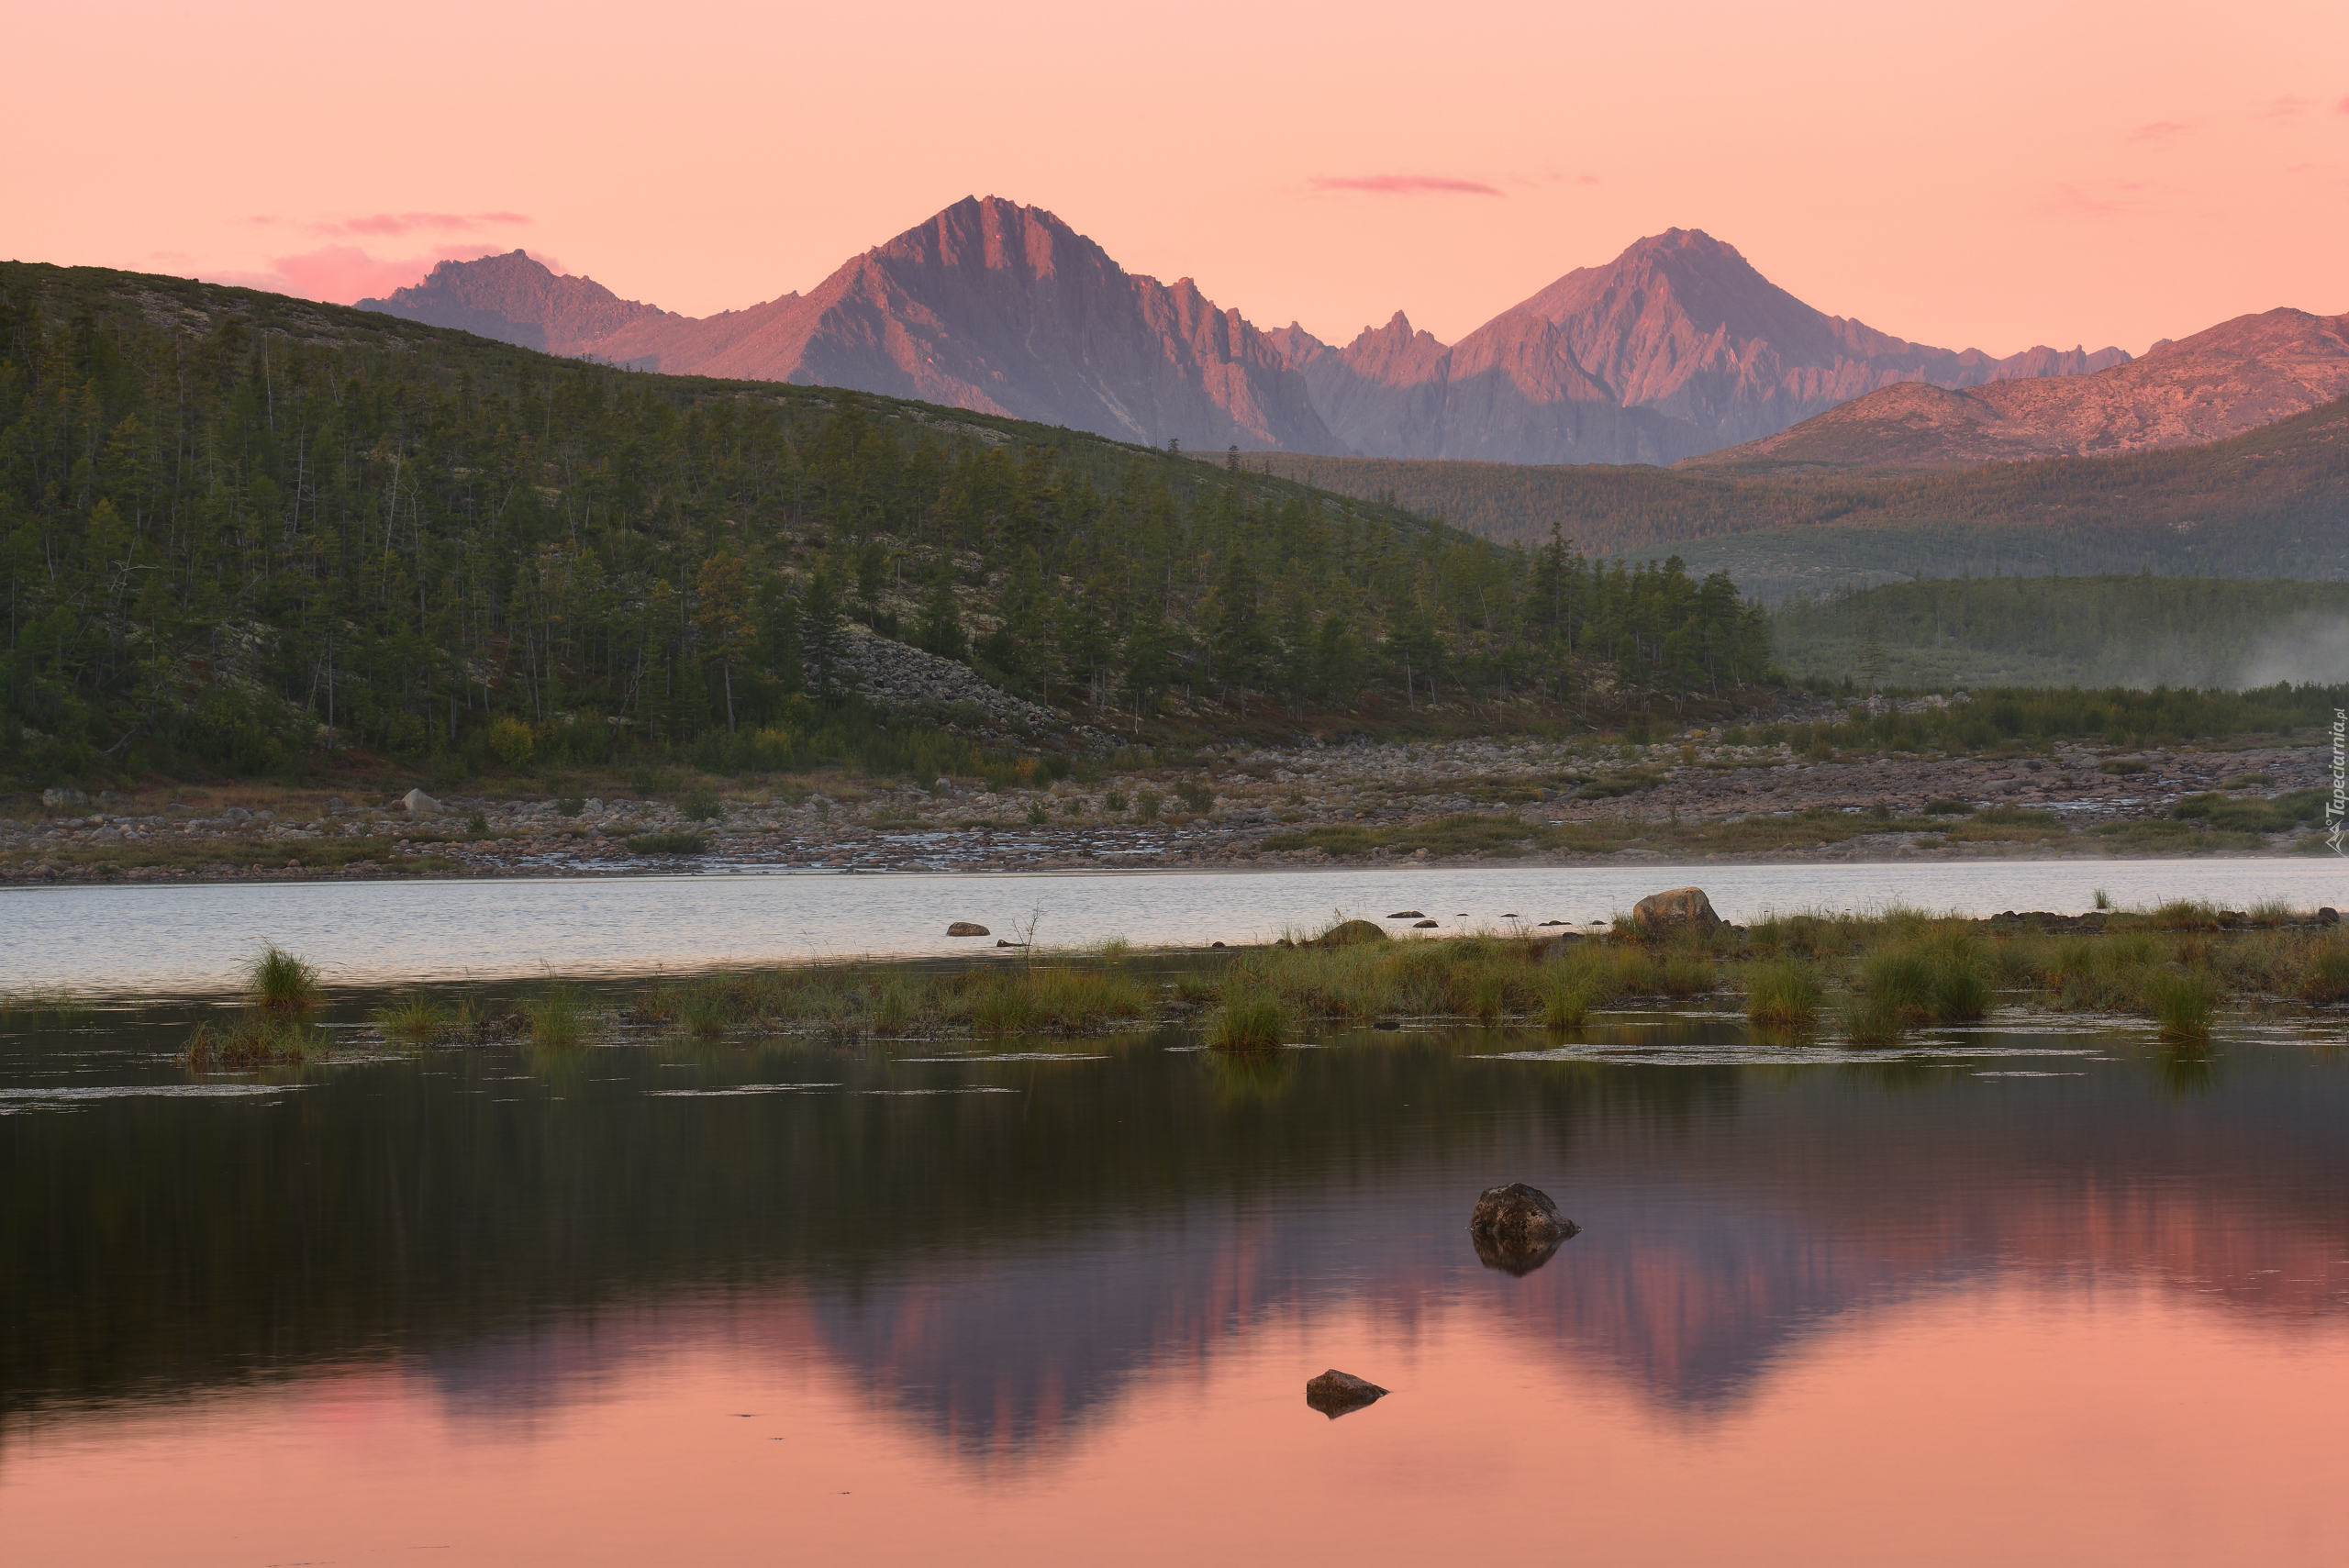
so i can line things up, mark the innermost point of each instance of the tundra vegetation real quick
(1866, 980)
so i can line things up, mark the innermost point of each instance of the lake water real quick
(2006, 1297)
(195, 939)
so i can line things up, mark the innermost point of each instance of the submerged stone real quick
(967, 928)
(1517, 1228)
(1336, 1394)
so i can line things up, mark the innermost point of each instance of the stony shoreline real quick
(1517, 802)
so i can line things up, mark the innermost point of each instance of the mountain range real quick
(2235, 377)
(1677, 347)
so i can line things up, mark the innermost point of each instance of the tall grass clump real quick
(2324, 973)
(1001, 1005)
(2182, 1001)
(278, 980)
(1565, 1004)
(895, 1007)
(413, 1018)
(558, 1016)
(254, 1039)
(1782, 993)
(1251, 1020)
(1935, 978)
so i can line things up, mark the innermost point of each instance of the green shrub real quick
(700, 805)
(511, 741)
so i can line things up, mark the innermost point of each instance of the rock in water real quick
(1517, 1228)
(1336, 1394)
(1406, 915)
(1669, 914)
(418, 804)
(967, 928)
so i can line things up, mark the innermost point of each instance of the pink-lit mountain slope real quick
(1676, 347)
(988, 305)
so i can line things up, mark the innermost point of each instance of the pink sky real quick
(1990, 176)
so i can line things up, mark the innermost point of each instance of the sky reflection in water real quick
(528, 1309)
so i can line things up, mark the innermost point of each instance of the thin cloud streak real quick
(1402, 185)
(2160, 131)
(386, 224)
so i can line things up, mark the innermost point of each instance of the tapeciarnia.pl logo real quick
(2336, 810)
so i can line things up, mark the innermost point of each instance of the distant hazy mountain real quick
(1674, 348)
(989, 306)
(1677, 347)
(2236, 376)
(518, 300)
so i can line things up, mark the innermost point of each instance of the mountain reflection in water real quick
(1008, 1277)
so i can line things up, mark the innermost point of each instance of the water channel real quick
(98, 941)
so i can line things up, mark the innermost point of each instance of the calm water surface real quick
(2022, 1298)
(195, 939)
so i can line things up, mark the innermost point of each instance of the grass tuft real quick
(278, 980)
(558, 1016)
(1251, 1020)
(254, 1039)
(1782, 993)
(413, 1018)
(2183, 1002)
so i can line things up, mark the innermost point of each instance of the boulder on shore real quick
(1348, 933)
(416, 803)
(1671, 913)
(967, 928)
(1516, 1229)
(1336, 1394)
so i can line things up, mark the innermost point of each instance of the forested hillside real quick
(246, 532)
(2271, 502)
(2141, 632)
